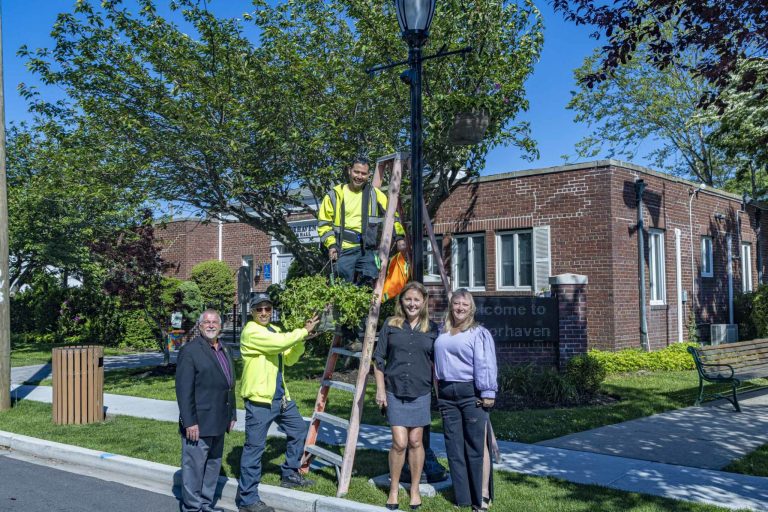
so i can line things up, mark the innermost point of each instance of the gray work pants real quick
(200, 466)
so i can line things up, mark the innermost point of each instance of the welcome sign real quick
(519, 318)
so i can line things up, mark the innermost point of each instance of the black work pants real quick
(464, 427)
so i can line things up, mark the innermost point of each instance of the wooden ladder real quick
(343, 464)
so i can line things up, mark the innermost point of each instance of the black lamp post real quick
(414, 17)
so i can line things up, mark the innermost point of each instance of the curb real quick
(154, 475)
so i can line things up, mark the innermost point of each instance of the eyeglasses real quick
(262, 308)
(210, 322)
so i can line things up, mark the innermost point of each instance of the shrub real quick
(139, 332)
(531, 386)
(586, 373)
(759, 314)
(673, 358)
(216, 283)
(742, 315)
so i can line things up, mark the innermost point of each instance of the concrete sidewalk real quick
(673, 455)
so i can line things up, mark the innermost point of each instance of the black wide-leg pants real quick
(464, 427)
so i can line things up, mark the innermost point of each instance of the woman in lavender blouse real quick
(465, 366)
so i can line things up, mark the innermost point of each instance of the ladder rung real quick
(323, 454)
(339, 385)
(348, 353)
(333, 420)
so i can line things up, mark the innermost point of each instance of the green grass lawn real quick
(159, 441)
(28, 354)
(756, 463)
(640, 394)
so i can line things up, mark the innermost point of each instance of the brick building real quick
(506, 234)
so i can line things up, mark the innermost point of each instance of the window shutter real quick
(542, 260)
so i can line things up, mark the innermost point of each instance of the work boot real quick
(433, 470)
(259, 506)
(295, 480)
(355, 346)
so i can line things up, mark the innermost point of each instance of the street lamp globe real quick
(415, 17)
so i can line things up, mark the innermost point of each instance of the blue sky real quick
(565, 46)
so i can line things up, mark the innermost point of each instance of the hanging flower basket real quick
(469, 127)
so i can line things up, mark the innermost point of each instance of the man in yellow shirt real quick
(350, 221)
(265, 351)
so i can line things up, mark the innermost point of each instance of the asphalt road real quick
(31, 487)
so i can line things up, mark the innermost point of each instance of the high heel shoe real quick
(392, 506)
(416, 507)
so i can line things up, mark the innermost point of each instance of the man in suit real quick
(205, 392)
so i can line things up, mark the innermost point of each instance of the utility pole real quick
(5, 306)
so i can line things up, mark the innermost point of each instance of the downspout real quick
(693, 193)
(221, 241)
(729, 243)
(639, 188)
(758, 235)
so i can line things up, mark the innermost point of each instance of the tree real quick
(64, 192)
(254, 130)
(742, 131)
(131, 269)
(639, 103)
(216, 283)
(722, 32)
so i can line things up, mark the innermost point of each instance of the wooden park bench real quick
(730, 363)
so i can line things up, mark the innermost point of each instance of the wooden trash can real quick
(78, 384)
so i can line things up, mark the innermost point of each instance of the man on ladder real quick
(349, 223)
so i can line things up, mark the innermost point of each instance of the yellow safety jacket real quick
(259, 348)
(354, 218)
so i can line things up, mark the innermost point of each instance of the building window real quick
(706, 256)
(656, 250)
(468, 257)
(514, 260)
(431, 269)
(746, 267)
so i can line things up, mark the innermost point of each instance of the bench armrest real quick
(718, 374)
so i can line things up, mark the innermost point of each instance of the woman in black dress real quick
(403, 373)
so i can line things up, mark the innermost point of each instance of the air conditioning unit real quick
(723, 333)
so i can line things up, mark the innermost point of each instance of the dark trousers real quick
(258, 418)
(464, 427)
(200, 465)
(353, 260)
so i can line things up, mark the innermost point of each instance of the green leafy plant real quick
(673, 358)
(216, 283)
(530, 386)
(586, 373)
(305, 296)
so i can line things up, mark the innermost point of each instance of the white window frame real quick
(470, 254)
(516, 271)
(746, 267)
(656, 267)
(707, 259)
(430, 277)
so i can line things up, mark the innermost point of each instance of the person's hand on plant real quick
(333, 253)
(311, 324)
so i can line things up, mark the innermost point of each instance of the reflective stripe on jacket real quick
(332, 224)
(259, 349)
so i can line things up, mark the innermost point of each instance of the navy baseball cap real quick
(258, 298)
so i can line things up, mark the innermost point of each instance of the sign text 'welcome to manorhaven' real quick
(519, 318)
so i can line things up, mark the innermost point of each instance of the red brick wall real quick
(591, 211)
(188, 242)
